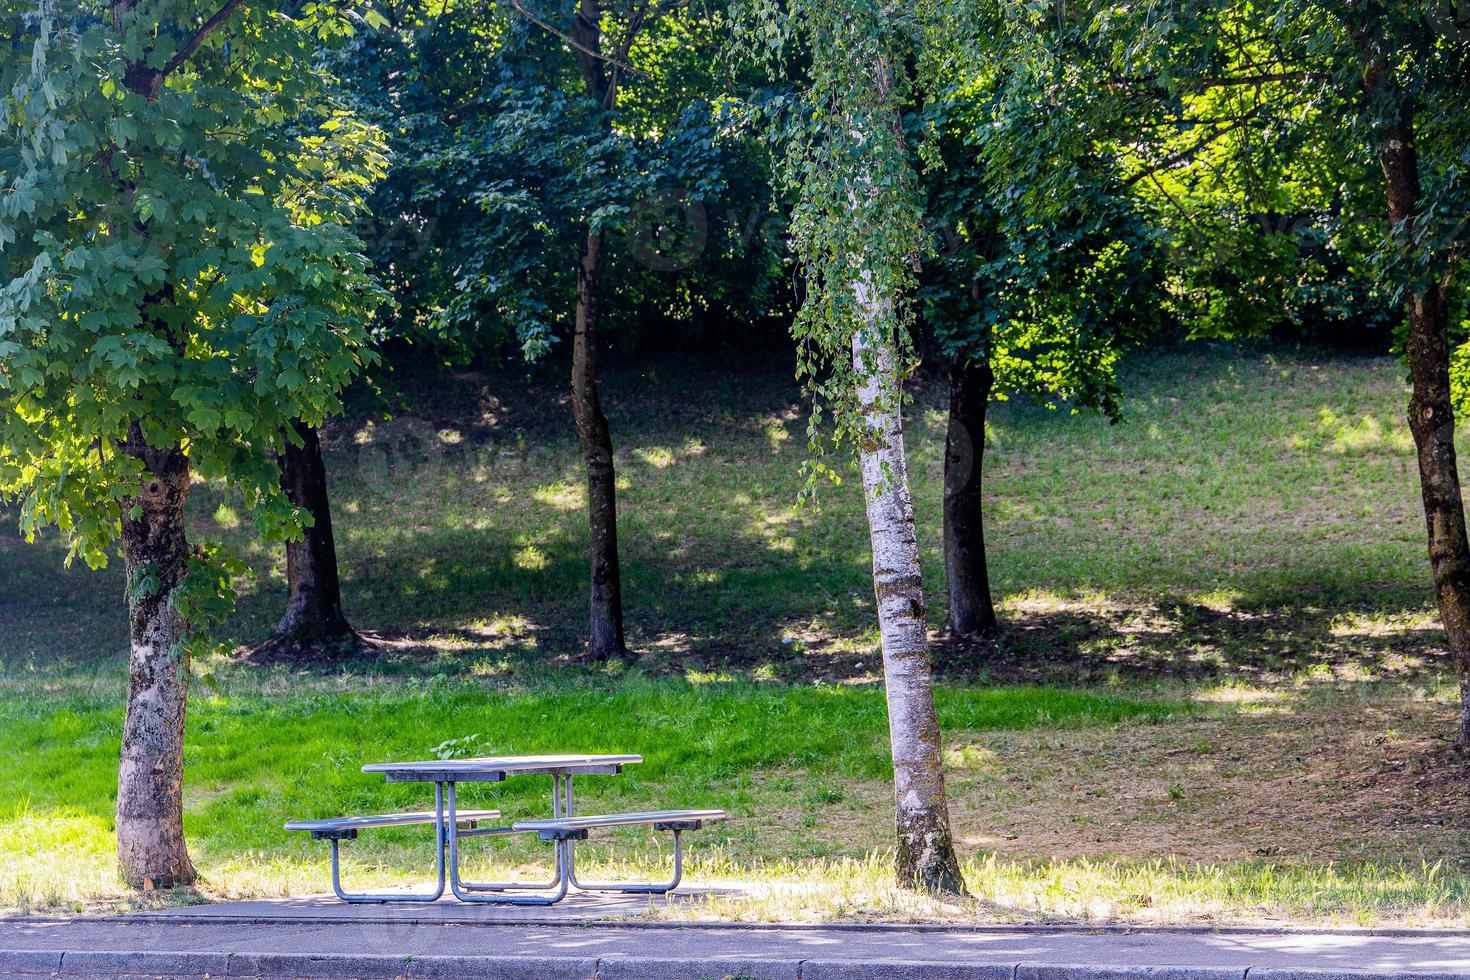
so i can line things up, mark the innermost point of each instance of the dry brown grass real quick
(1259, 777)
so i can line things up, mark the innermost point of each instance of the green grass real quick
(1225, 597)
(262, 752)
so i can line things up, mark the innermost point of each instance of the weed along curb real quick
(327, 948)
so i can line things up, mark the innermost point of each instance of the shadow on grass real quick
(1252, 640)
(462, 535)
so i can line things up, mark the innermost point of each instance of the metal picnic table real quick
(451, 824)
(445, 774)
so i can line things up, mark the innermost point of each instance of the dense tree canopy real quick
(500, 159)
(179, 267)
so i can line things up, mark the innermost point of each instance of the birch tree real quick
(857, 229)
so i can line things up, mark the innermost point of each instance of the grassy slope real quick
(1252, 513)
(1248, 534)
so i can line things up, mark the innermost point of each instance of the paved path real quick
(312, 939)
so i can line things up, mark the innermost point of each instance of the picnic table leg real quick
(633, 888)
(501, 886)
(358, 898)
(467, 895)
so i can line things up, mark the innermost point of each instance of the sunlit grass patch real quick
(1067, 805)
(1089, 891)
(55, 859)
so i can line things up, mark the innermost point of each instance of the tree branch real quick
(1189, 152)
(1226, 81)
(187, 51)
(575, 44)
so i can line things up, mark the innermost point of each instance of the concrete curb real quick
(541, 922)
(847, 970)
(1068, 971)
(1314, 974)
(647, 968)
(115, 963)
(29, 963)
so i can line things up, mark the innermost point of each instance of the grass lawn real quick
(1219, 698)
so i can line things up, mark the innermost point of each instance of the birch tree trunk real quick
(313, 621)
(926, 857)
(150, 781)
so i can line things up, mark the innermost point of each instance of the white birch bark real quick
(926, 856)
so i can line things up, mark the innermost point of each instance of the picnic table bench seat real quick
(575, 828)
(346, 828)
(338, 829)
(567, 830)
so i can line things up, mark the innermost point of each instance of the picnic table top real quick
(493, 769)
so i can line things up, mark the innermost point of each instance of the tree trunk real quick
(150, 784)
(971, 612)
(1431, 411)
(1432, 421)
(313, 620)
(605, 628)
(926, 857)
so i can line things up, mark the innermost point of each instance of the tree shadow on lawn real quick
(730, 596)
(722, 576)
(1359, 633)
(696, 597)
(468, 599)
(668, 397)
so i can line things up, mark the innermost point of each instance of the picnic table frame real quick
(445, 774)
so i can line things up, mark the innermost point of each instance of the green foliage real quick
(177, 265)
(857, 220)
(503, 164)
(1047, 264)
(1027, 250)
(206, 595)
(1270, 184)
